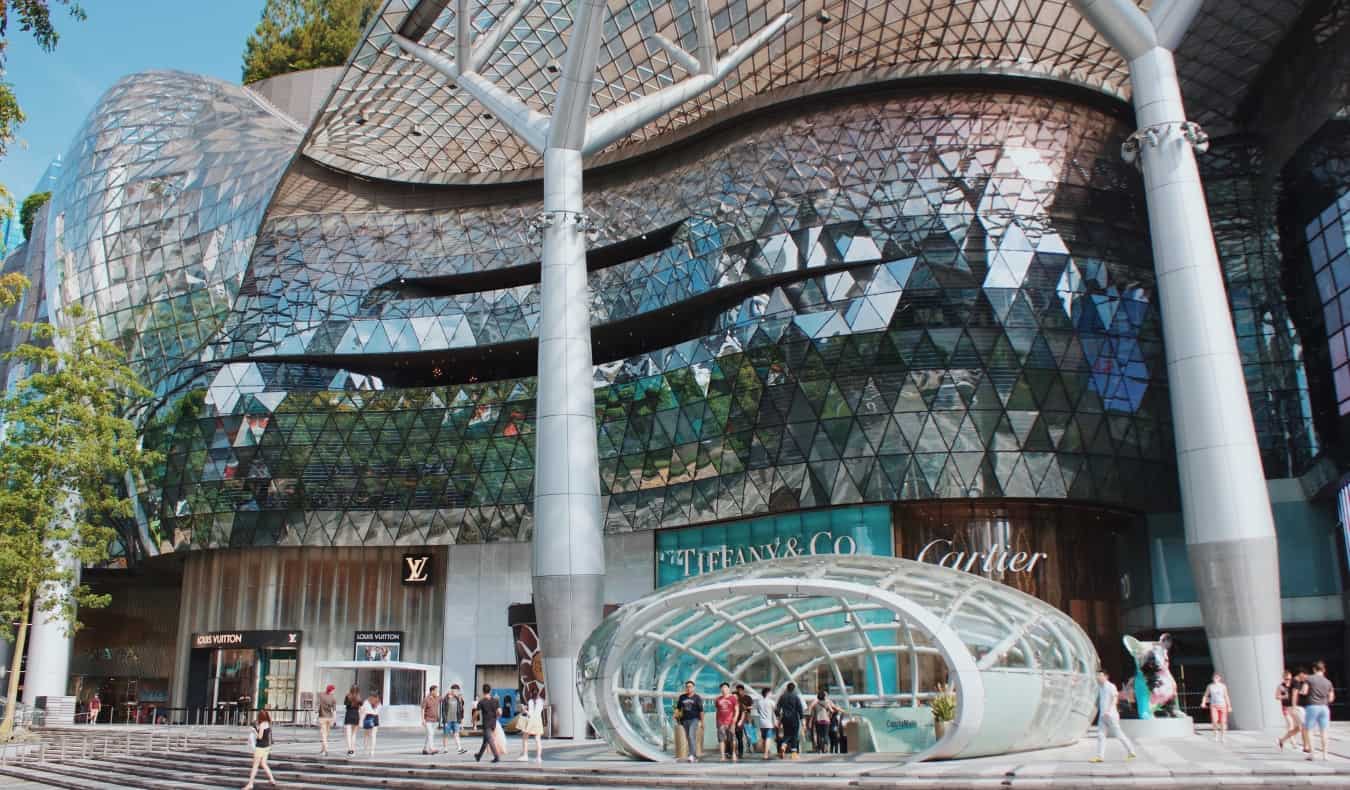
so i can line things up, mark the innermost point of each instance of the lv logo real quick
(416, 568)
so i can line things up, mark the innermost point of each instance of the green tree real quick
(294, 35)
(11, 287)
(66, 450)
(35, 17)
(28, 211)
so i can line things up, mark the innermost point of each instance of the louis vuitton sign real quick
(417, 570)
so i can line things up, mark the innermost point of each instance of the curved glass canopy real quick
(883, 636)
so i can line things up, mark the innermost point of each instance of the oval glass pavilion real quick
(882, 635)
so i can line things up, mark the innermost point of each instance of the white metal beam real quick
(1172, 18)
(624, 120)
(486, 46)
(1122, 23)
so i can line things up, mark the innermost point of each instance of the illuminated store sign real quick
(378, 646)
(417, 569)
(246, 639)
(999, 559)
(682, 553)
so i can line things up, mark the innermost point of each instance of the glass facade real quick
(1243, 210)
(882, 636)
(904, 297)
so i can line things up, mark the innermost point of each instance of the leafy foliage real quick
(11, 287)
(943, 706)
(294, 35)
(28, 212)
(35, 17)
(65, 453)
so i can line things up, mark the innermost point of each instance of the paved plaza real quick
(1246, 760)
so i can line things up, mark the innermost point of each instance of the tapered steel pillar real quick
(1230, 533)
(569, 551)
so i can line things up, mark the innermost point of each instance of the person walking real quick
(452, 718)
(431, 719)
(689, 709)
(487, 712)
(533, 727)
(351, 717)
(262, 747)
(1298, 699)
(791, 712)
(327, 704)
(1317, 710)
(763, 713)
(1108, 718)
(744, 732)
(1217, 700)
(370, 722)
(728, 717)
(1292, 718)
(821, 711)
(95, 705)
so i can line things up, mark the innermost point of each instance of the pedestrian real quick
(507, 711)
(1108, 718)
(837, 742)
(351, 717)
(728, 717)
(452, 718)
(1216, 700)
(744, 731)
(431, 719)
(370, 722)
(487, 712)
(1317, 710)
(821, 711)
(1298, 699)
(764, 718)
(262, 746)
(533, 712)
(1292, 718)
(689, 710)
(95, 705)
(327, 707)
(791, 712)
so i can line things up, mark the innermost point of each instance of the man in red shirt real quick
(728, 721)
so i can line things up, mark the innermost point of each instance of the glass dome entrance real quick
(882, 636)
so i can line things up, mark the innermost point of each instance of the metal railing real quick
(65, 745)
(221, 716)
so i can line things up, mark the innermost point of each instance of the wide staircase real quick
(207, 766)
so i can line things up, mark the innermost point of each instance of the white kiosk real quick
(401, 685)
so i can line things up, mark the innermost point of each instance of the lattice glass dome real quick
(883, 636)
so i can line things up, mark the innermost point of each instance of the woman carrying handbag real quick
(261, 736)
(532, 727)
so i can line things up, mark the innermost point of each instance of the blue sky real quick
(58, 89)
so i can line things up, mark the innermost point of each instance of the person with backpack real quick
(790, 712)
(261, 735)
(821, 712)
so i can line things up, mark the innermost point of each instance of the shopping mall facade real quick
(888, 289)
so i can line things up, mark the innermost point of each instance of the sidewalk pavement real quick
(1243, 754)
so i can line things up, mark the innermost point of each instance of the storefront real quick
(233, 672)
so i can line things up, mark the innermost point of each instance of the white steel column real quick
(1230, 533)
(47, 672)
(568, 556)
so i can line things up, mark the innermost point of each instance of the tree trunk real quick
(16, 662)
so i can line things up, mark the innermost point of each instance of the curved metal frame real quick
(969, 686)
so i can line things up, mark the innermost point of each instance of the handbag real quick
(499, 739)
(370, 722)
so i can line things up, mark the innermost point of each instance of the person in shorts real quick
(728, 720)
(1293, 718)
(1317, 708)
(327, 704)
(452, 718)
(262, 747)
(1220, 705)
(763, 717)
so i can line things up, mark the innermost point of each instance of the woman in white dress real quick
(533, 711)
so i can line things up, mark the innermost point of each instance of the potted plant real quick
(943, 707)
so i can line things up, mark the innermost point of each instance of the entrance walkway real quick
(1247, 760)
